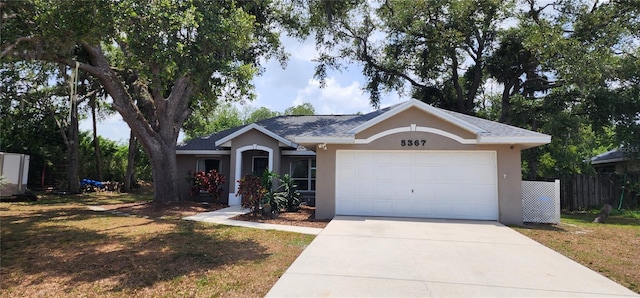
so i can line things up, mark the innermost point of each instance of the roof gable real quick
(259, 128)
(413, 103)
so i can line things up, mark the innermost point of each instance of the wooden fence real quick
(584, 191)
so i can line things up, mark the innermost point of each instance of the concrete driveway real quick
(395, 257)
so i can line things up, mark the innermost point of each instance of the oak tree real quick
(157, 60)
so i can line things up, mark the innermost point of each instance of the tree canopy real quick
(157, 60)
(566, 67)
(227, 116)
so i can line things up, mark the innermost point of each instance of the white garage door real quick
(430, 184)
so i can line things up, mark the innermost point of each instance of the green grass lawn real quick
(58, 248)
(613, 249)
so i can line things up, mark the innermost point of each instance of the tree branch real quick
(11, 46)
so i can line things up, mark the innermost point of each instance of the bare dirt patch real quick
(305, 217)
(161, 210)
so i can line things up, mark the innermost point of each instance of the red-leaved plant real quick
(252, 190)
(210, 182)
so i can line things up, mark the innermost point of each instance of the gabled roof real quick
(421, 106)
(257, 127)
(342, 129)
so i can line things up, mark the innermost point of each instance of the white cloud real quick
(300, 50)
(112, 128)
(334, 98)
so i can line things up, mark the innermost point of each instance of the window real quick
(206, 165)
(303, 172)
(260, 164)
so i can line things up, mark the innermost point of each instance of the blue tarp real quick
(95, 183)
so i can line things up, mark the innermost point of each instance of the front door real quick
(260, 164)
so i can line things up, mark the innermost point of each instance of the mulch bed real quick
(305, 217)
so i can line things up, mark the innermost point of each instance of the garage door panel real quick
(451, 195)
(435, 184)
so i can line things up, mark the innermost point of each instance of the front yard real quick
(58, 247)
(612, 249)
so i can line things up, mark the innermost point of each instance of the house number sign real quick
(413, 143)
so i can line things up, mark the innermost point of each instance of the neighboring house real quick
(408, 160)
(617, 160)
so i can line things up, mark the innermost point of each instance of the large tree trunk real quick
(96, 142)
(131, 159)
(165, 173)
(505, 106)
(157, 130)
(455, 79)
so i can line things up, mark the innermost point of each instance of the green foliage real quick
(305, 109)
(201, 123)
(422, 44)
(158, 60)
(288, 197)
(227, 116)
(259, 114)
(113, 157)
(257, 191)
(30, 101)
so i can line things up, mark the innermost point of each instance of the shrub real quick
(210, 182)
(256, 190)
(252, 190)
(290, 197)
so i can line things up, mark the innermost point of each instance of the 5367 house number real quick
(413, 143)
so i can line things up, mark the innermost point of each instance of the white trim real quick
(258, 128)
(382, 134)
(235, 200)
(447, 135)
(412, 128)
(328, 140)
(297, 153)
(422, 106)
(203, 152)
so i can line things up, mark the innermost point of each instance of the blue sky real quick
(278, 89)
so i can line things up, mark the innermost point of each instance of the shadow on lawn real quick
(52, 244)
(543, 227)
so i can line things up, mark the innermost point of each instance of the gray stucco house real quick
(408, 160)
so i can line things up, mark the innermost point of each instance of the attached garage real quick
(412, 183)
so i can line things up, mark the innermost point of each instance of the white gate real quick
(541, 202)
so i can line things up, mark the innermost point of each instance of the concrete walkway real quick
(223, 216)
(394, 257)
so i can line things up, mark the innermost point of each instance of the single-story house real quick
(618, 160)
(408, 160)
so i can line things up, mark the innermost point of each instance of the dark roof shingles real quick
(290, 127)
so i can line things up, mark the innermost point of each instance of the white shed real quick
(14, 169)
